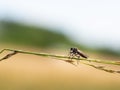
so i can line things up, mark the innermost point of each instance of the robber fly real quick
(74, 52)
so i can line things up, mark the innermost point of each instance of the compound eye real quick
(71, 49)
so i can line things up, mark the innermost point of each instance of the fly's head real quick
(73, 50)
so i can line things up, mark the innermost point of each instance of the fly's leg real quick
(71, 55)
(78, 59)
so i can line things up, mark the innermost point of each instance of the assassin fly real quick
(74, 52)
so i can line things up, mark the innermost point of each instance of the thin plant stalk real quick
(64, 57)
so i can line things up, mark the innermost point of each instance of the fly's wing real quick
(82, 54)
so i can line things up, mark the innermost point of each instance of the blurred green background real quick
(21, 34)
(13, 32)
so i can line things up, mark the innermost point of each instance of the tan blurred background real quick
(40, 31)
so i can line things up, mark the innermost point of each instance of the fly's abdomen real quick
(83, 55)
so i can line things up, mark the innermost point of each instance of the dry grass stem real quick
(63, 58)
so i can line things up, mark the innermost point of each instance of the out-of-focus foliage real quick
(29, 35)
(107, 51)
(21, 34)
